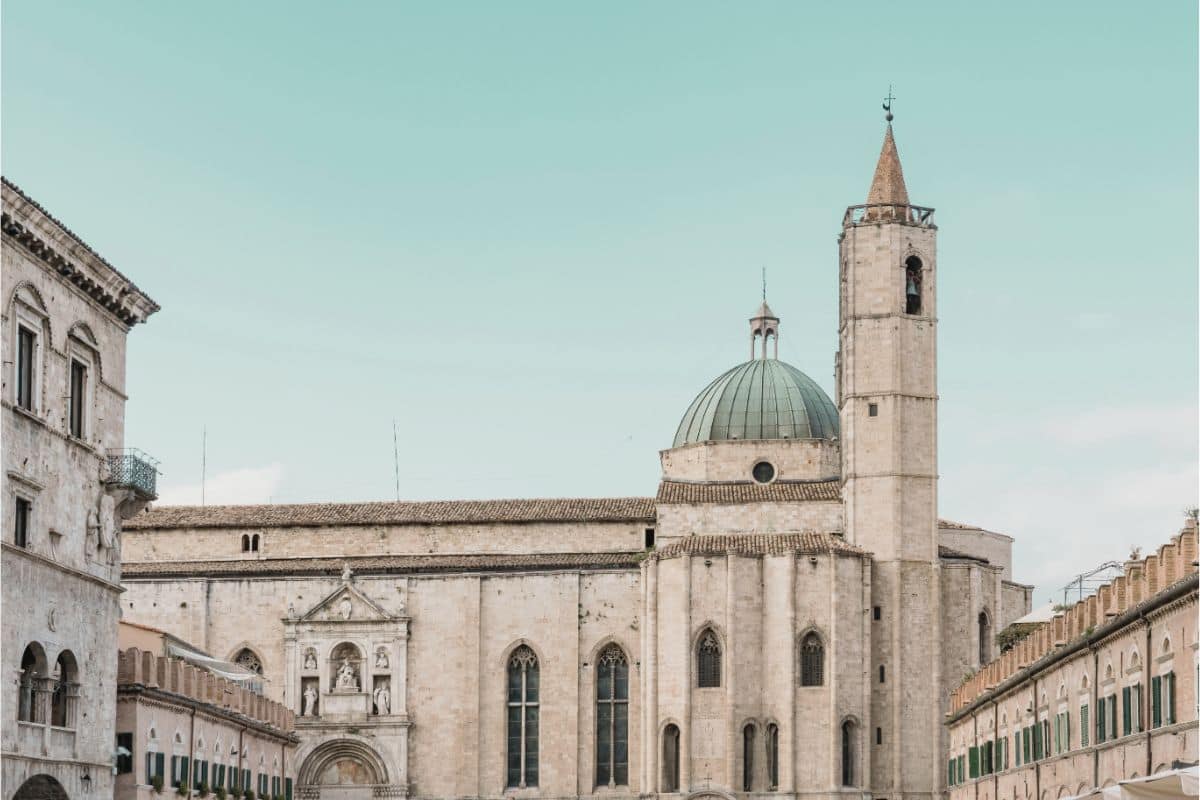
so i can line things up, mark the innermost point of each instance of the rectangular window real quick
(1027, 745)
(1017, 749)
(1083, 725)
(648, 540)
(1112, 716)
(1127, 711)
(950, 772)
(26, 346)
(1037, 741)
(124, 760)
(973, 761)
(1156, 701)
(287, 789)
(22, 507)
(78, 395)
(872, 409)
(877, 612)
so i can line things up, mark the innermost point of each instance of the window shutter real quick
(973, 761)
(1156, 701)
(184, 763)
(1127, 710)
(1169, 681)
(1083, 725)
(160, 763)
(149, 767)
(287, 789)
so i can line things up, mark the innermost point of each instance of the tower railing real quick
(870, 213)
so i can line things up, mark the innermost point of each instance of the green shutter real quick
(1026, 748)
(1127, 711)
(1112, 716)
(160, 763)
(973, 762)
(149, 767)
(1083, 725)
(1156, 701)
(1038, 744)
(1170, 704)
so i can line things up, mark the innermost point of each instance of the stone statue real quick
(345, 608)
(347, 574)
(310, 659)
(310, 702)
(346, 677)
(381, 659)
(383, 699)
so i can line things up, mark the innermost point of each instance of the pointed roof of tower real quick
(765, 312)
(887, 187)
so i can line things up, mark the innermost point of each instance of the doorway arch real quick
(41, 787)
(346, 769)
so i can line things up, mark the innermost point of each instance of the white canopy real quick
(1173, 784)
(224, 669)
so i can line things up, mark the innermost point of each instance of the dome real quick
(760, 399)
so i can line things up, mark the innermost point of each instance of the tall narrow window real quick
(612, 718)
(985, 638)
(670, 759)
(708, 661)
(245, 543)
(748, 758)
(64, 697)
(26, 347)
(124, 753)
(21, 508)
(772, 756)
(848, 754)
(912, 285)
(254, 543)
(812, 661)
(523, 718)
(33, 670)
(78, 395)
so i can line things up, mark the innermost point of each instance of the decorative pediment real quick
(346, 604)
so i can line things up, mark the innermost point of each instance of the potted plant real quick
(220, 793)
(183, 790)
(202, 789)
(156, 783)
(249, 794)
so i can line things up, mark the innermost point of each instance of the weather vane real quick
(887, 104)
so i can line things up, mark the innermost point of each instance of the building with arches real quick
(68, 483)
(786, 616)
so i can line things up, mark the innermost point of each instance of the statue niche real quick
(346, 668)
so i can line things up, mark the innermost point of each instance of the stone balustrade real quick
(1143, 578)
(136, 666)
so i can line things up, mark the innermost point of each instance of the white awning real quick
(1173, 784)
(225, 669)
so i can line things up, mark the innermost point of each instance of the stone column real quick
(651, 746)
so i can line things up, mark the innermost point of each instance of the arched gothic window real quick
(523, 711)
(708, 660)
(612, 718)
(245, 543)
(33, 673)
(912, 285)
(249, 659)
(748, 735)
(812, 661)
(772, 743)
(985, 638)
(849, 754)
(670, 759)
(254, 543)
(65, 694)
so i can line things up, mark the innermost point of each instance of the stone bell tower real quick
(887, 403)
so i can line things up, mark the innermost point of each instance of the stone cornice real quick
(12, 549)
(94, 276)
(170, 700)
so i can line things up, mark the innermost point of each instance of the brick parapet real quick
(135, 666)
(1172, 562)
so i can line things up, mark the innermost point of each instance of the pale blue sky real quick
(532, 232)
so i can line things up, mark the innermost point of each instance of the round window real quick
(764, 472)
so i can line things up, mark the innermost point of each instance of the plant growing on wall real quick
(202, 789)
(156, 783)
(220, 793)
(183, 790)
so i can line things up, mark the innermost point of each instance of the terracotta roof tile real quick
(368, 565)
(746, 492)
(598, 509)
(759, 544)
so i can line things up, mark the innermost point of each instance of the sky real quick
(527, 234)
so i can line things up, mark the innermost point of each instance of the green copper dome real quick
(761, 399)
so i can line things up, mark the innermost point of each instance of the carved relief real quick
(310, 658)
(381, 658)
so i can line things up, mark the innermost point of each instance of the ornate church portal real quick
(346, 661)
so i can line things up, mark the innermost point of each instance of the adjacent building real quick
(785, 617)
(195, 725)
(68, 483)
(1103, 692)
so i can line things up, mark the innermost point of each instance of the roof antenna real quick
(203, 461)
(396, 457)
(764, 282)
(887, 104)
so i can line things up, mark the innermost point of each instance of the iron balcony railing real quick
(132, 469)
(889, 212)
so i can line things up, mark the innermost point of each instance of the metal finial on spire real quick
(764, 282)
(887, 104)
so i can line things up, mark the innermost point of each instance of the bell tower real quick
(887, 403)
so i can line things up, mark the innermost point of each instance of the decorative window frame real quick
(28, 310)
(82, 347)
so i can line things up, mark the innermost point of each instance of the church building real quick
(787, 615)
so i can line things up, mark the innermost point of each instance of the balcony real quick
(871, 213)
(130, 470)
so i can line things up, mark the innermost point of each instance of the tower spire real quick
(764, 324)
(887, 187)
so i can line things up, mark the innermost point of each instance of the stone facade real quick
(67, 483)
(786, 617)
(1104, 692)
(183, 725)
